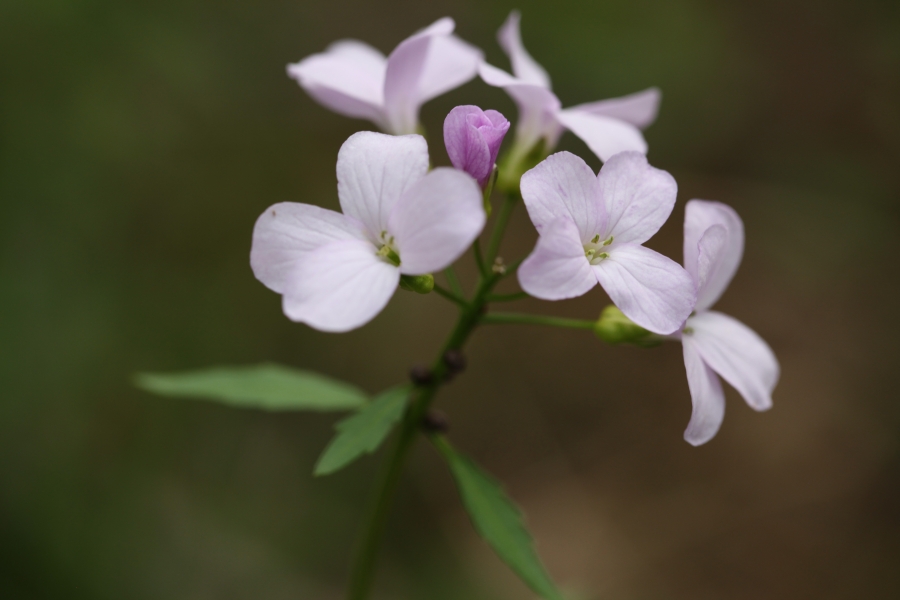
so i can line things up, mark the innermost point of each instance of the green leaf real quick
(363, 432)
(498, 520)
(266, 386)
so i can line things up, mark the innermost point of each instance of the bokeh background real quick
(140, 140)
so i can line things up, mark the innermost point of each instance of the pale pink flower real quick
(716, 345)
(356, 80)
(336, 271)
(473, 137)
(607, 127)
(591, 230)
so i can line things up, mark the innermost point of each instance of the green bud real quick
(421, 284)
(614, 327)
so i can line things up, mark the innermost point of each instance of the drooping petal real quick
(423, 66)
(557, 268)
(436, 220)
(639, 109)
(651, 289)
(287, 231)
(605, 136)
(348, 78)
(373, 171)
(538, 106)
(638, 198)
(523, 65)
(707, 397)
(699, 216)
(339, 286)
(738, 355)
(563, 185)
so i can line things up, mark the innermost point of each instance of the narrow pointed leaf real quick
(267, 386)
(498, 520)
(363, 432)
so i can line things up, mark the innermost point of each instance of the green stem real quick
(479, 259)
(522, 319)
(500, 227)
(453, 281)
(449, 295)
(507, 297)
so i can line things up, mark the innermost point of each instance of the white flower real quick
(356, 80)
(337, 271)
(715, 344)
(607, 127)
(591, 231)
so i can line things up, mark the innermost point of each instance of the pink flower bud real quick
(473, 139)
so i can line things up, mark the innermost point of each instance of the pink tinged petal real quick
(288, 231)
(466, 144)
(436, 220)
(652, 290)
(639, 109)
(563, 185)
(557, 268)
(707, 397)
(340, 286)
(451, 62)
(538, 106)
(723, 262)
(605, 136)
(638, 198)
(348, 78)
(738, 355)
(523, 65)
(373, 171)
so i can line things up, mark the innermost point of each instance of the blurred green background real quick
(140, 140)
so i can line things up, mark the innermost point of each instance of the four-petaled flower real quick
(337, 271)
(607, 127)
(473, 137)
(356, 80)
(591, 230)
(715, 344)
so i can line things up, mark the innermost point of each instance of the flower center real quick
(594, 250)
(386, 249)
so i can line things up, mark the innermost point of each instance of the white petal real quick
(451, 62)
(557, 268)
(738, 354)
(340, 286)
(348, 78)
(652, 290)
(373, 171)
(707, 397)
(436, 220)
(605, 136)
(523, 65)
(287, 231)
(700, 215)
(637, 197)
(538, 106)
(639, 109)
(563, 185)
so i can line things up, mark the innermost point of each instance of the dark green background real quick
(140, 140)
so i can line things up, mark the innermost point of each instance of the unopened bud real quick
(435, 422)
(421, 284)
(455, 361)
(615, 328)
(473, 137)
(421, 375)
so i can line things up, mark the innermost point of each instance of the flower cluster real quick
(402, 221)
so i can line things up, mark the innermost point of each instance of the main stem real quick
(363, 568)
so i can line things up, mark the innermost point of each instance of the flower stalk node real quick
(420, 284)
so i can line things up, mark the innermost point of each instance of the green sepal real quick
(489, 189)
(614, 327)
(421, 284)
(513, 164)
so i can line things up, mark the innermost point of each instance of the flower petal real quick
(639, 109)
(605, 136)
(466, 146)
(340, 286)
(563, 185)
(451, 62)
(373, 171)
(707, 397)
(523, 65)
(348, 78)
(722, 262)
(557, 268)
(436, 220)
(652, 290)
(738, 354)
(287, 231)
(638, 198)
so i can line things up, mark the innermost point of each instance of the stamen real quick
(388, 253)
(595, 239)
(608, 241)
